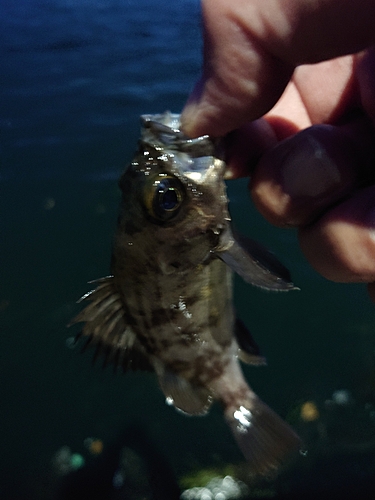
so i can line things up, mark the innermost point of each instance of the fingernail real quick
(307, 168)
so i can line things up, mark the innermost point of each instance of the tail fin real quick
(263, 437)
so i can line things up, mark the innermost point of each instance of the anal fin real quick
(185, 397)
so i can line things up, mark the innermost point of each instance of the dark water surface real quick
(74, 78)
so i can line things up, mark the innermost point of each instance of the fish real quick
(167, 305)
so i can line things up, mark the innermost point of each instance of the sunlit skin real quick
(303, 70)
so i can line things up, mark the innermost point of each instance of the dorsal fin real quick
(106, 328)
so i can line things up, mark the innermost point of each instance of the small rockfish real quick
(167, 305)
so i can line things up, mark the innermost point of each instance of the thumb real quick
(250, 53)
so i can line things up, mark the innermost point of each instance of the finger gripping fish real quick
(167, 306)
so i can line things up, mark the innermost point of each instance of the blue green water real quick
(74, 78)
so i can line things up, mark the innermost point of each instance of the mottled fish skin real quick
(168, 304)
(172, 282)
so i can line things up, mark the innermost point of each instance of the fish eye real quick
(163, 196)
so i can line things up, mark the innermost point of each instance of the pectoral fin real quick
(254, 263)
(105, 327)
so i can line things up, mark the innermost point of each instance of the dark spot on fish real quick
(131, 228)
(158, 317)
(141, 313)
(150, 345)
(185, 340)
(150, 341)
(178, 366)
(141, 336)
(213, 320)
(176, 264)
(208, 369)
(178, 248)
(165, 343)
(191, 300)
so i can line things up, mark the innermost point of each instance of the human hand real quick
(312, 154)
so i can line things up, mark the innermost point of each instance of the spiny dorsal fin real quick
(105, 327)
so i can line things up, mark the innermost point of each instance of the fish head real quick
(173, 190)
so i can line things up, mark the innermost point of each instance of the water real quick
(74, 78)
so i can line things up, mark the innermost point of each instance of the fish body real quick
(167, 305)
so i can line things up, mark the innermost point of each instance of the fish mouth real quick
(197, 159)
(169, 121)
(163, 131)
